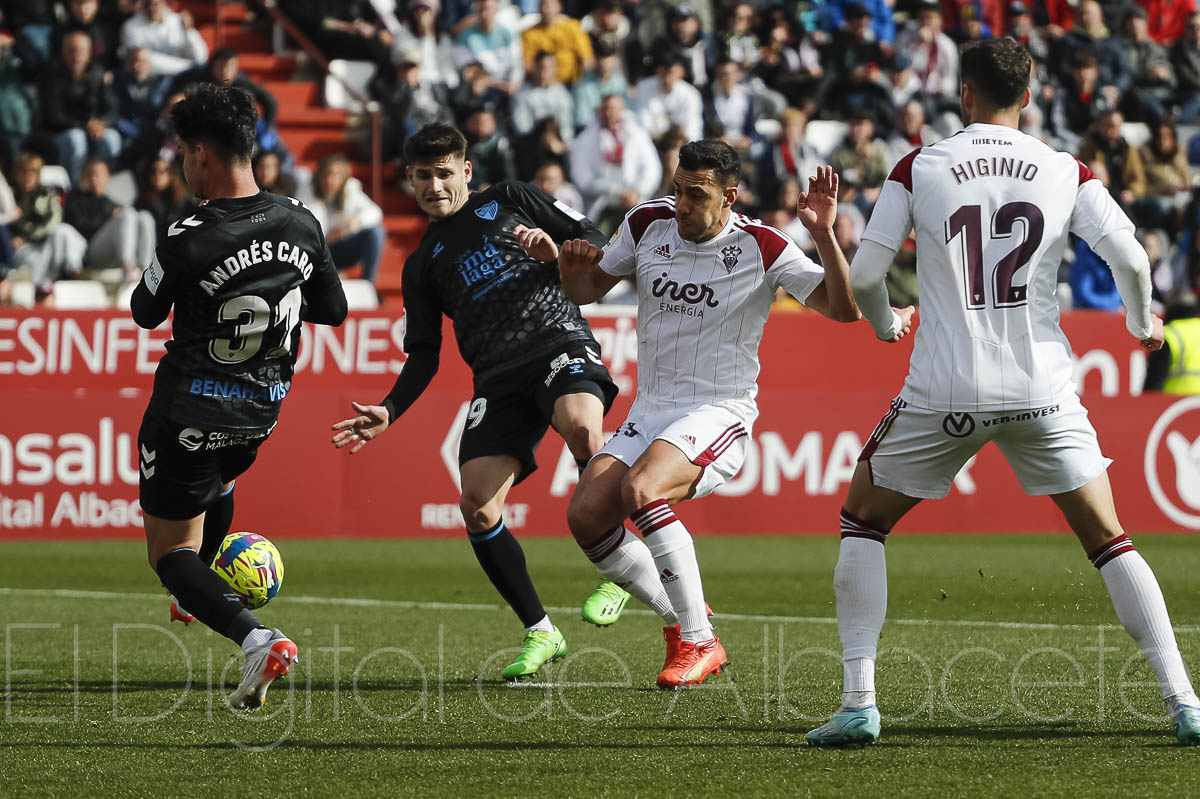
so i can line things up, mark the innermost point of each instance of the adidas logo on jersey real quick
(663, 251)
(689, 439)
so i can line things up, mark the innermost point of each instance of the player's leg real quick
(596, 517)
(1136, 597)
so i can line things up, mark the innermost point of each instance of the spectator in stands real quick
(1153, 79)
(861, 162)
(489, 150)
(684, 40)
(117, 236)
(1105, 145)
(348, 29)
(738, 37)
(1091, 281)
(668, 157)
(902, 81)
(882, 15)
(1185, 57)
(497, 48)
(731, 108)
(781, 213)
(420, 32)
(139, 95)
(270, 177)
(852, 45)
(477, 91)
(162, 193)
(76, 106)
(912, 131)
(1079, 104)
(1167, 178)
(223, 68)
(614, 163)
(8, 214)
(970, 26)
(544, 96)
(666, 99)
(789, 61)
(42, 243)
(612, 32)
(549, 178)
(1021, 27)
(353, 224)
(1090, 33)
(607, 77)
(408, 102)
(31, 23)
(544, 143)
(1168, 18)
(84, 15)
(934, 55)
(561, 36)
(790, 156)
(16, 112)
(172, 38)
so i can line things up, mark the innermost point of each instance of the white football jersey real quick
(702, 307)
(992, 208)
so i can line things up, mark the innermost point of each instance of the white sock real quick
(1139, 603)
(544, 625)
(256, 638)
(631, 566)
(860, 585)
(675, 558)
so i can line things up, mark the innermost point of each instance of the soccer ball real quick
(252, 566)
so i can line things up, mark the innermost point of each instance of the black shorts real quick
(511, 410)
(183, 468)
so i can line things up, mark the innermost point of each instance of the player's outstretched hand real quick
(817, 207)
(370, 423)
(536, 242)
(906, 315)
(579, 257)
(1155, 341)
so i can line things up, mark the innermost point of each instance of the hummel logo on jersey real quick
(436, 249)
(628, 429)
(258, 218)
(729, 256)
(175, 229)
(663, 251)
(668, 576)
(488, 211)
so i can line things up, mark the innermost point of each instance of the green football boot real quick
(848, 728)
(605, 604)
(540, 648)
(1187, 724)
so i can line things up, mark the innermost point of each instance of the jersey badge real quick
(175, 229)
(729, 256)
(488, 211)
(663, 251)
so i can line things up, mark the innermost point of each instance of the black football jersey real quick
(241, 274)
(507, 307)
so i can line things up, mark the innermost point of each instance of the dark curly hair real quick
(998, 69)
(222, 117)
(432, 142)
(712, 154)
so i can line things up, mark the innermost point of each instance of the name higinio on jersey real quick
(257, 253)
(993, 167)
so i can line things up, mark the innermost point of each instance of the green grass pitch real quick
(1002, 672)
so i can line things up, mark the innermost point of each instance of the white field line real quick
(399, 604)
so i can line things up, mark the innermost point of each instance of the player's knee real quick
(582, 440)
(584, 518)
(478, 511)
(639, 489)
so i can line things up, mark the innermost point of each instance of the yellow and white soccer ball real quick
(252, 566)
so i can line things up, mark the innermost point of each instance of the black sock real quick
(581, 464)
(217, 520)
(205, 595)
(503, 561)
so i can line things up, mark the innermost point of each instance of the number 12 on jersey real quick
(968, 221)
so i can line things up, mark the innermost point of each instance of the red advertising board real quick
(73, 388)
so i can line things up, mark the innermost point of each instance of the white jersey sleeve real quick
(791, 269)
(892, 218)
(1096, 213)
(620, 253)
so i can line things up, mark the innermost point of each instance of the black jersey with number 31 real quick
(507, 307)
(241, 273)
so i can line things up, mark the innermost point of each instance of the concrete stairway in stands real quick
(310, 130)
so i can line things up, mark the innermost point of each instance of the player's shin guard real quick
(621, 556)
(860, 585)
(206, 596)
(503, 560)
(217, 520)
(1142, 611)
(674, 555)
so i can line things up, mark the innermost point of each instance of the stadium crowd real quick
(591, 101)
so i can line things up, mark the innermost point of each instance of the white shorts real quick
(712, 437)
(918, 452)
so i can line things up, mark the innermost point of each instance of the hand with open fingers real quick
(536, 242)
(579, 256)
(817, 207)
(906, 315)
(1155, 341)
(370, 423)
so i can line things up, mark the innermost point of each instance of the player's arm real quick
(151, 301)
(1099, 221)
(817, 208)
(553, 221)
(583, 280)
(890, 223)
(325, 299)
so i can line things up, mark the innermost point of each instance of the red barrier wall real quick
(73, 388)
